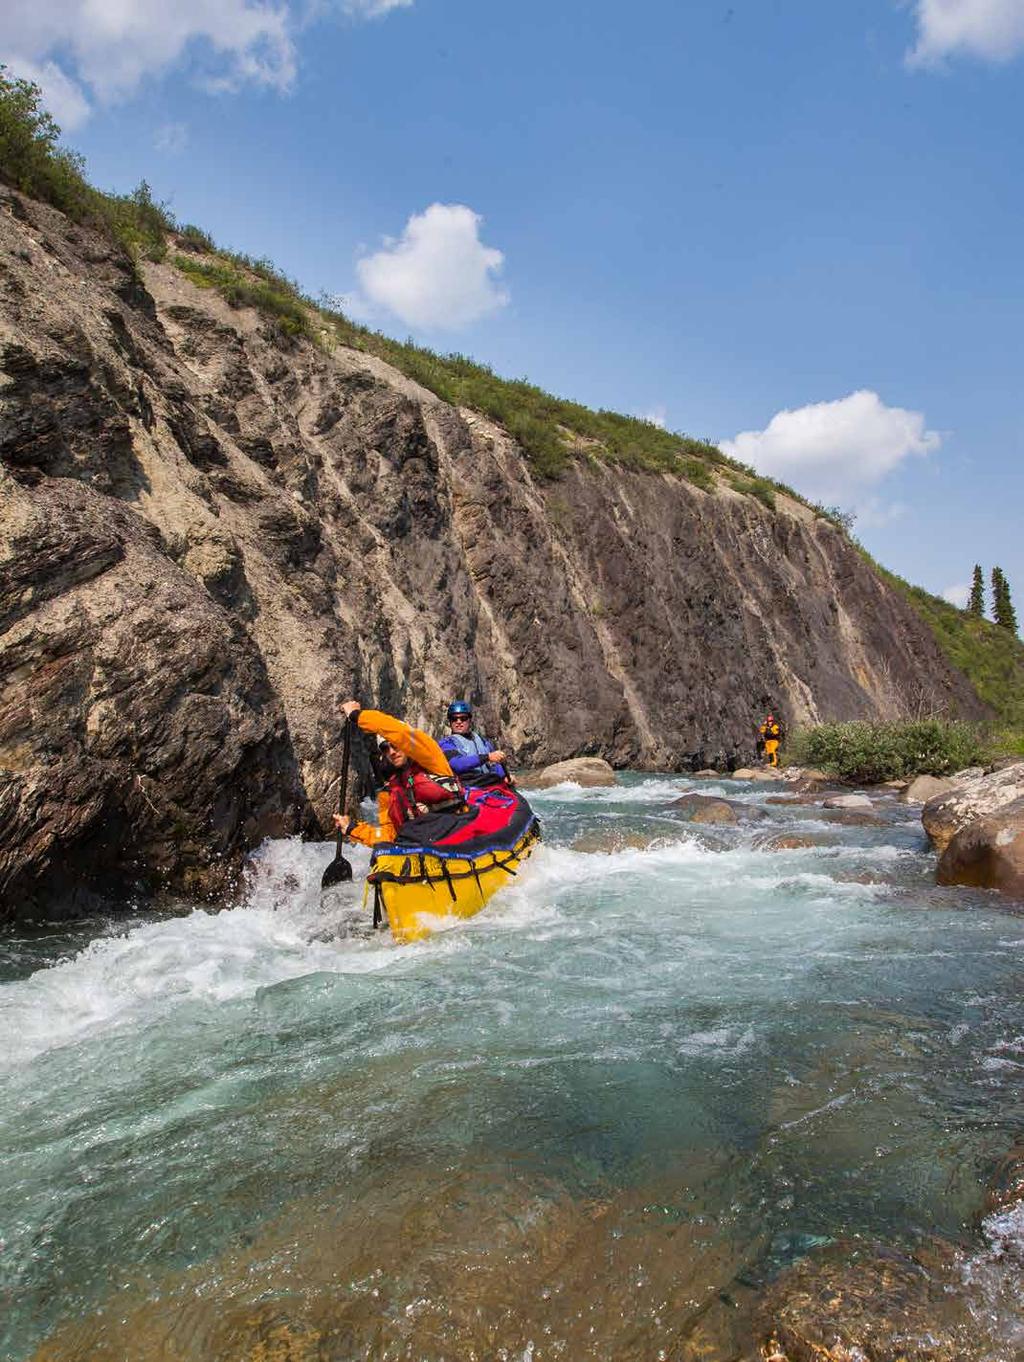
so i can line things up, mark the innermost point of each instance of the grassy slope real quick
(990, 657)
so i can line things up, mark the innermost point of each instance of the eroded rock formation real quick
(211, 534)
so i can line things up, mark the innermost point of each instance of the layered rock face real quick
(210, 535)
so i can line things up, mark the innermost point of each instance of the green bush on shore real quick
(865, 753)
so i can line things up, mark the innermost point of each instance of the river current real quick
(595, 1121)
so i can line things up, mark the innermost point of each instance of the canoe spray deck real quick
(449, 865)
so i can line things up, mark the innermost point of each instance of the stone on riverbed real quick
(704, 809)
(608, 841)
(785, 843)
(853, 1301)
(698, 808)
(709, 773)
(587, 771)
(848, 801)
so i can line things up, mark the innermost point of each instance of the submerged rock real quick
(587, 771)
(785, 843)
(851, 1303)
(607, 841)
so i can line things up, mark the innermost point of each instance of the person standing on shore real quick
(769, 738)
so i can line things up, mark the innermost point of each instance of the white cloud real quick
(990, 29)
(374, 9)
(438, 274)
(83, 52)
(874, 514)
(657, 416)
(958, 595)
(834, 451)
(171, 138)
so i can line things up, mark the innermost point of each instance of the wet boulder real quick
(853, 1302)
(923, 788)
(608, 841)
(848, 801)
(988, 853)
(947, 814)
(586, 771)
(785, 843)
(695, 808)
(856, 818)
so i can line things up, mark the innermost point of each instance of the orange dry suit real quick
(770, 734)
(425, 779)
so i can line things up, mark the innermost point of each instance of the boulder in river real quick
(704, 809)
(587, 771)
(923, 788)
(946, 814)
(709, 773)
(785, 843)
(988, 853)
(848, 801)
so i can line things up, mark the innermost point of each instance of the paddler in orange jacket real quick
(420, 778)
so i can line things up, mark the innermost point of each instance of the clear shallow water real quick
(643, 1081)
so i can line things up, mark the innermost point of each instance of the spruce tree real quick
(976, 604)
(1002, 606)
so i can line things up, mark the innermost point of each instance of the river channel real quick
(596, 1121)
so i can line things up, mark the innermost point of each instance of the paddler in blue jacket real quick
(469, 754)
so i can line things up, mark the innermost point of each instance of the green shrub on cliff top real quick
(868, 753)
(278, 303)
(31, 157)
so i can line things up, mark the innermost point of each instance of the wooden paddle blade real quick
(338, 872)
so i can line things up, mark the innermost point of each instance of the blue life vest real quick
(470, 745)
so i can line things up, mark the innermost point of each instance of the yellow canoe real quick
(416, 886)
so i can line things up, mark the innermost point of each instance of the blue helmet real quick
(460, 709)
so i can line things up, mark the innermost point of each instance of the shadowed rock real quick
(988, 853)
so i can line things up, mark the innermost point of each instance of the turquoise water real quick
(645, 1078)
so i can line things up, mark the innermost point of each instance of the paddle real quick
(340, 871)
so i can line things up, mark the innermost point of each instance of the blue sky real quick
(789, 226)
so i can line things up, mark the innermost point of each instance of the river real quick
(596, 1121)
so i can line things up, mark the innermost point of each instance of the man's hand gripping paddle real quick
(340, 871)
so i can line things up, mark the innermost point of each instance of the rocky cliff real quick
(211, 533)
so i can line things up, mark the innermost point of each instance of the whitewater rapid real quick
(802, 1043)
